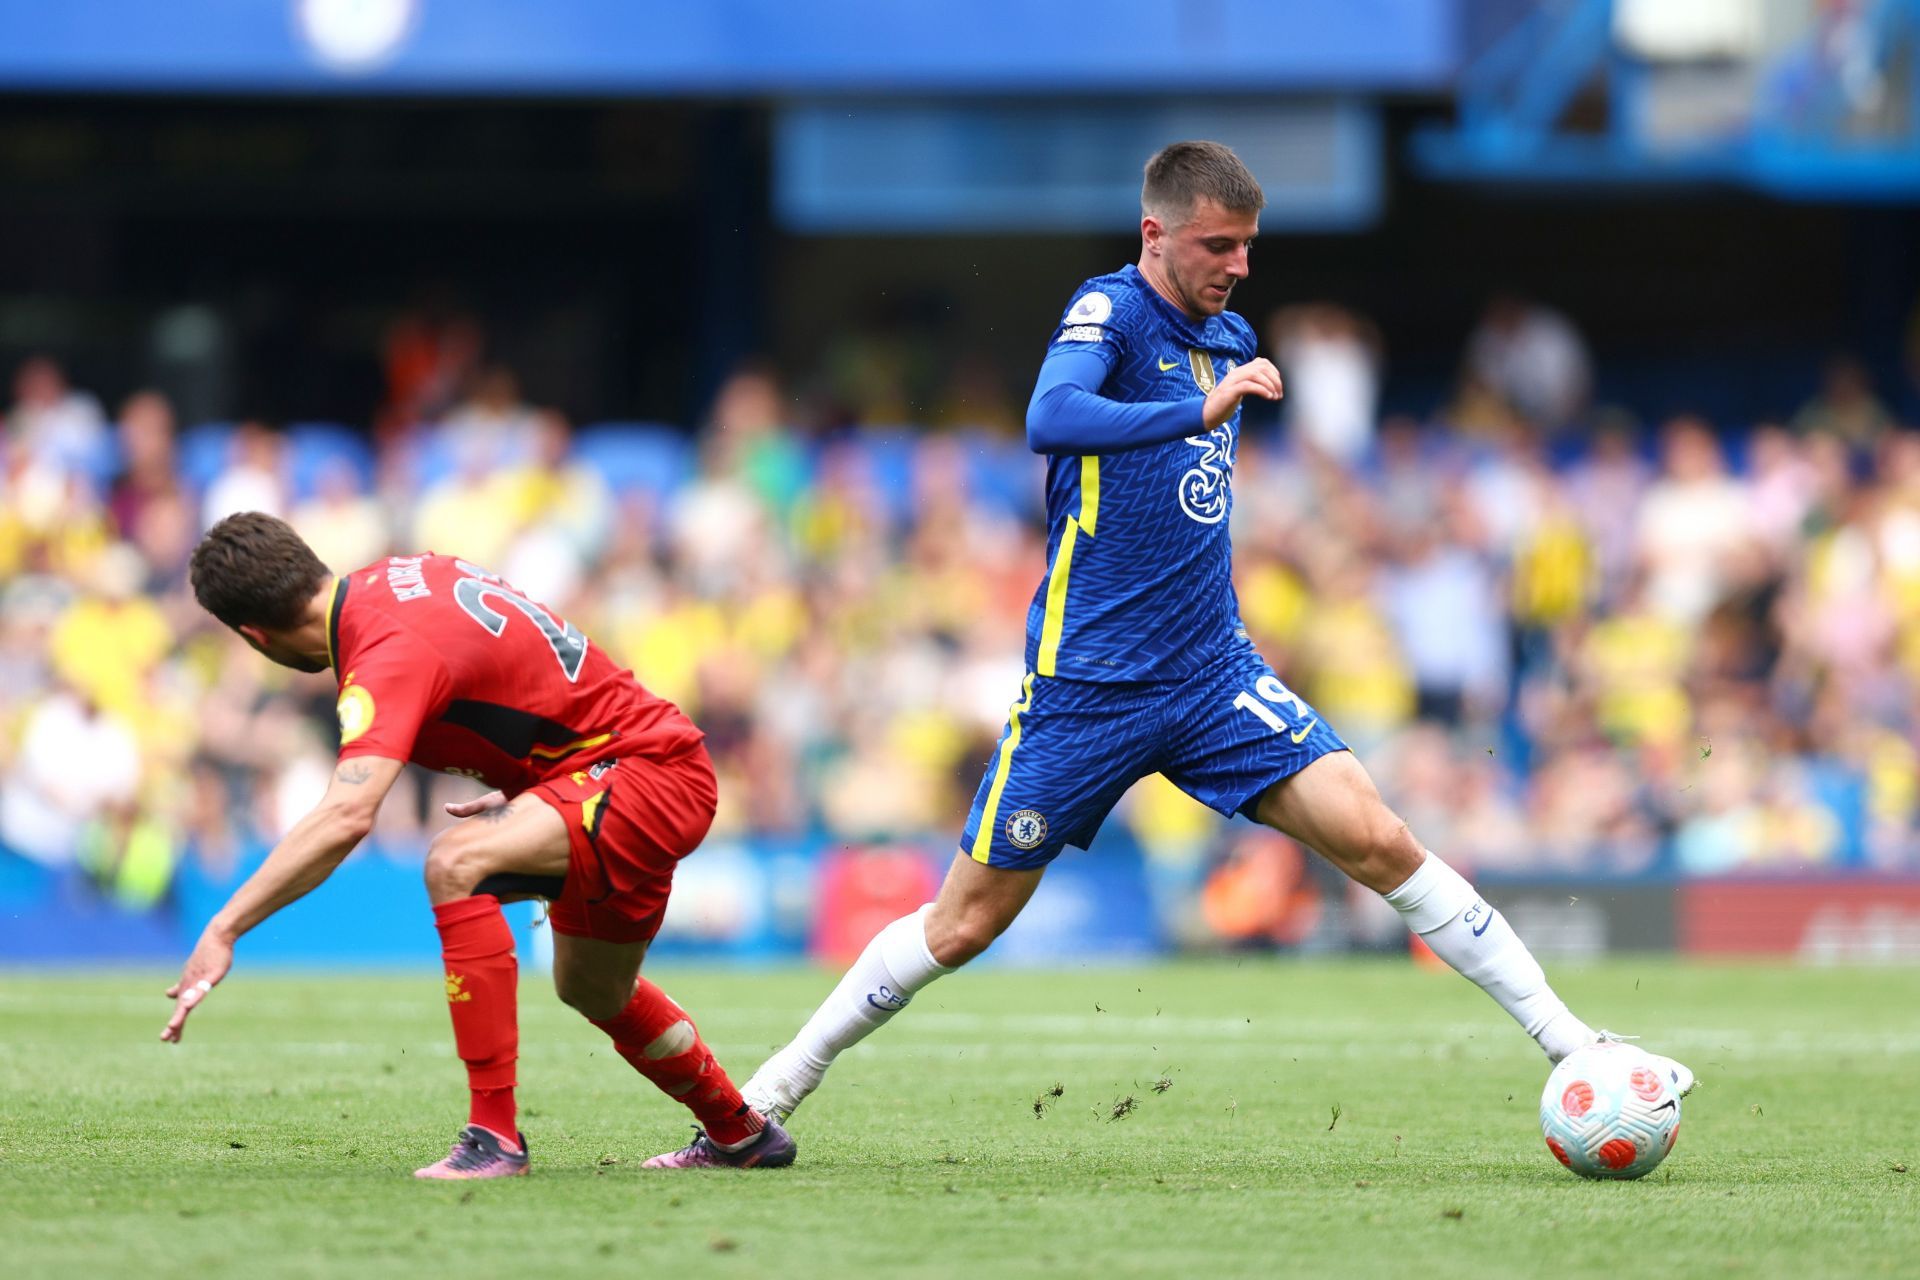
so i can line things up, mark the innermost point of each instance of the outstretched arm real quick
(300, 862)
(1068, 415)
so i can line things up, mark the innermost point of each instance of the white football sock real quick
(893, 967)
(1437, 903)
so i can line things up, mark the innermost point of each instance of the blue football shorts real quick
(1071, 749)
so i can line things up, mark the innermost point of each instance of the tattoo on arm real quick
(353, 773)
(496, 814)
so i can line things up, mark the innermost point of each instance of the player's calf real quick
(1332, 806)
(896, 964)
(594, 996)
(1462, 928)
(482, 988)
(659, 1040)
(975, 906)
(957, 935)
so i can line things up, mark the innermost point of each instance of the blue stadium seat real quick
(1004, 475)
(100, 462)
(203, 453)
(313, 447)
(890, 454)
(430, 457)
(637, 457)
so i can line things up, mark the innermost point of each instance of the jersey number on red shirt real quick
(474, 593)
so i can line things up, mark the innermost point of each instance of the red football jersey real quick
(446, 665)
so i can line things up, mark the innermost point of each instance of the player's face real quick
(1205, 256)
(274, 649)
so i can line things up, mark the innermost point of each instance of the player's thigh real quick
(1333, 807)
(1069, 751)
(595, 976)
(1236, 730)
(629, 823)
(975, 905)
(524, 837)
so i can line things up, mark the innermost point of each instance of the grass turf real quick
(278, 1139)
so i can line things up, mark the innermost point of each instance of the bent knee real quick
(1385, 856)
(954, 942)
(452, 869)
(1375, 849)
(596, 1001)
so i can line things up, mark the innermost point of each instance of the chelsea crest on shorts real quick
(1026, 829)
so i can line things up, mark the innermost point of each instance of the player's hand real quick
(1254, 378)
(212, 957)
(467, 808)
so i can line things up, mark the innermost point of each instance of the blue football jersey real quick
(1139, 581)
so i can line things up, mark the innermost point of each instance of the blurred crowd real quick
(1562, 641)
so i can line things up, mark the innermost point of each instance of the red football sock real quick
(658, 1037)
(493, 1109)
(483, 977)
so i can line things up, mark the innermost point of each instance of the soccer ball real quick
(1608, 1111)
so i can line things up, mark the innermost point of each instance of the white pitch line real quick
(1136, 1055)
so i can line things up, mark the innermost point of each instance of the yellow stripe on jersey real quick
(1089, 493)
(1056, 617)
(983, 839)
(587, 811)
(578, 744)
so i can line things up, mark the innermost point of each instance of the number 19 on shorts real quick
(1275, 694)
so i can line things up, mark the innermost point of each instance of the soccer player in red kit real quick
(601, 787)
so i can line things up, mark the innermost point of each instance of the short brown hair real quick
(1182, 175)
(253, 570)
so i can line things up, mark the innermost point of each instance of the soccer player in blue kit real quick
(1137, 661)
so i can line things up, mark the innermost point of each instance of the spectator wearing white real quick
(1695, 522)
(74, 763)
(1534, 359)
(252, 480)
(1331, 359)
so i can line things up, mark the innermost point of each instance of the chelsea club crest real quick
(1026, 829)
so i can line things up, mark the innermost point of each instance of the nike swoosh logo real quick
(1301, 736)
(1169, 364)
(1486, 922)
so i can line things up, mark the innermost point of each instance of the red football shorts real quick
(629, 821)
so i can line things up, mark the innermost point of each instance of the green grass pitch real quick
(278, 1139)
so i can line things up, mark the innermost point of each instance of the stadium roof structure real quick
(752, 47)
(1643, 92)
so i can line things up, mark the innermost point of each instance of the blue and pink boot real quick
(479, 1153)
(771, 1148)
